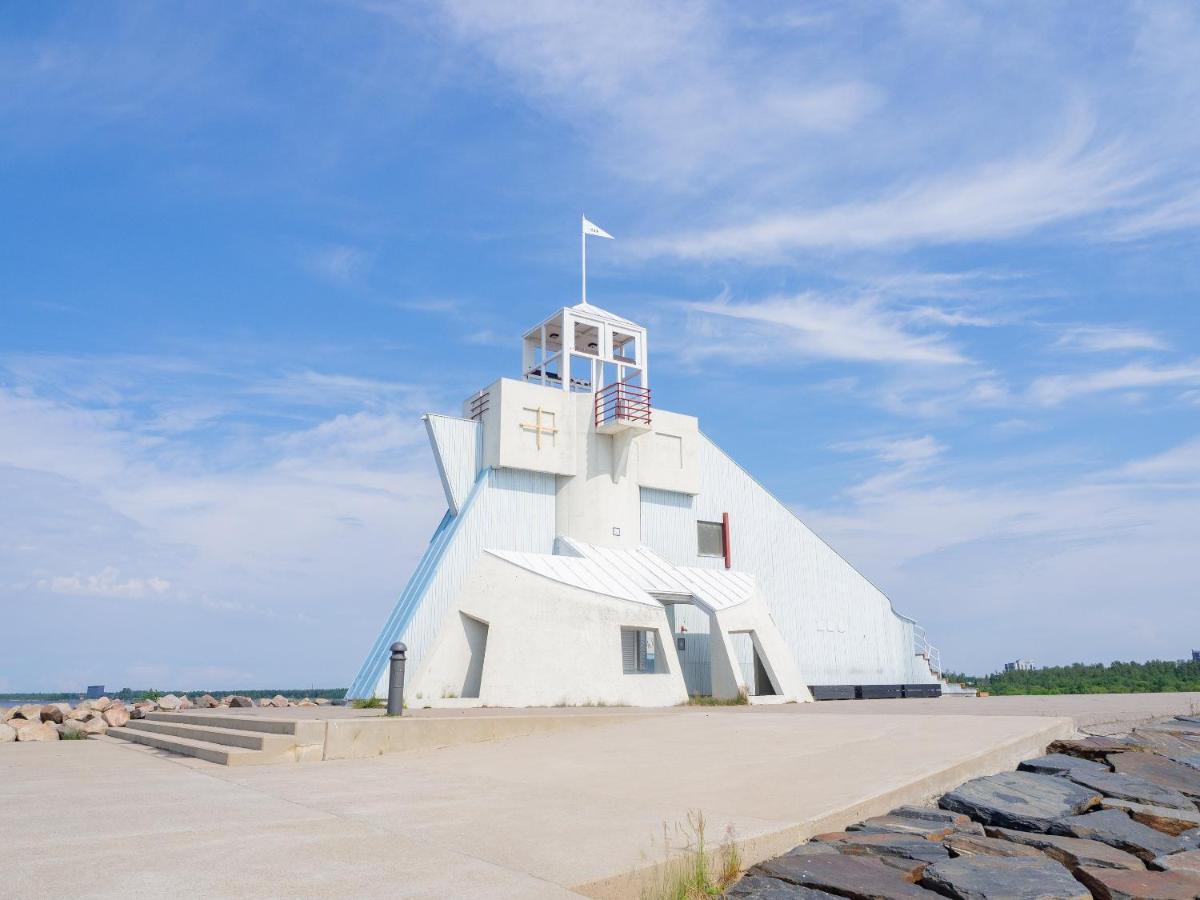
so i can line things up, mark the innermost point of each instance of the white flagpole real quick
(583, 255)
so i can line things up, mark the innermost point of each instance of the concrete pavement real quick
(588, 810)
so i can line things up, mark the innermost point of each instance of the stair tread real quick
(128, 733)
(141, 725)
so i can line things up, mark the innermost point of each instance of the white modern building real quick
(599, 550)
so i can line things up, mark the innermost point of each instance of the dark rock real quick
(1130, 787)
(52, 713)
(239, 701)
(905, 846)
(1164, 772)
(931, 814)
(931, 831)
(207, 701)
(1072, 852)
(811, 849)
(1057, 763)
(1114, 884)
(974, 845)
(1188, 861)
(1168, 821)
(1174, 748)
(1016, 878)
(1020, 800)
(1113, 827)
(761, 888)
(857, 877)
(1094, 747)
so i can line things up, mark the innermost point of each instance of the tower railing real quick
(622, 403)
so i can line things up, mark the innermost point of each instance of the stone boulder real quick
(94, 725)
(207, 701)
(758, 887)
(239, 702)
(115, 716)
(168, 702)
(30, 711)
(185, 702)
(846, 876)
(974, 845)
(1130, 787)
(306, 702)
(1188, 861)
(905, 846)
(1117, 884)
(100, 704)
(1020, 800)
(8, 734)
(1016, 878)
(52, 713)
(7, 713)
(1163, 772)
(930, 831)
(1113, 827)
(20, 723)
(1095, 747)
(1072, 852)
(321, 701)
(38, 731)
(1168, 821)
(280, 701)
(1058, 763)
(79, 712)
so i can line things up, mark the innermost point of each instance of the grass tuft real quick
(368, 703)
(699, 873)
(72, 736)
(700, 700)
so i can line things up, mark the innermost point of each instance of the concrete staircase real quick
(228, 740)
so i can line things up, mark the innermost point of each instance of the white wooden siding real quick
(458, 452)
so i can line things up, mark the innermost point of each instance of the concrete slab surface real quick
(585, 811)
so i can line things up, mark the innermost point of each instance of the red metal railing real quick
(620, 402)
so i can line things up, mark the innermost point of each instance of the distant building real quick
(1020, 665)
(1196, 656)
(95, 691)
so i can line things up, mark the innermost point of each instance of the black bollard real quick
(395, 705)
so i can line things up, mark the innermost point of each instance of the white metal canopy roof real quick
(641, 576)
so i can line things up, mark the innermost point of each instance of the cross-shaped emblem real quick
(537, 427)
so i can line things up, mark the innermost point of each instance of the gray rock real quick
(1095, 747)
(905, 846)
(1130, 787)
(974, 845)
(1057, 763)
(1016, 878)
(1188, 861)
(932, 814)
(1113, 884)
(1164, 772)
(1169, 821)
(857, 877)
(1020, 800)
(1072, 852)
(1113, 827)
(760, 887)
(933, 831)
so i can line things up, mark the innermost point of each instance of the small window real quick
(681, 644)
(638, 651)
(710, 538)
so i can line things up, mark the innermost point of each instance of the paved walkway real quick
(540, 816)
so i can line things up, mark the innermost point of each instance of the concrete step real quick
(248, 722)
(229, 737)
(215, 753)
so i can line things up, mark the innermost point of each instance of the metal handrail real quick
(624, 402)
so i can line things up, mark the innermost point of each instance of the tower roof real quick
(595, 311)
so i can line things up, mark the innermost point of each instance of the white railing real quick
(922, 647)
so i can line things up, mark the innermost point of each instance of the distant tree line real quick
(1153, 677)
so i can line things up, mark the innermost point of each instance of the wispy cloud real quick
(1052, 390)
(1103, 338)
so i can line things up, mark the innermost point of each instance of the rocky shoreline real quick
(1096, 817)
(61, 721)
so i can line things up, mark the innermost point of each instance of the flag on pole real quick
(595, 230)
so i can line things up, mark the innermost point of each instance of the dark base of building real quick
(873, 691)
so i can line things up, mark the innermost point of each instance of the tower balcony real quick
(622, 407)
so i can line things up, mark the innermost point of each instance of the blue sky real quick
(929, 270)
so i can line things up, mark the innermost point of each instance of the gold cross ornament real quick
(537, 427)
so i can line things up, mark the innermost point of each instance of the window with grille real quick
(710, 538)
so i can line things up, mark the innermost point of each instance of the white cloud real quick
(106, 583)
(1052, 390)
(1103, 338)
(339, 263)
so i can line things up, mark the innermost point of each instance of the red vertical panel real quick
(725, 535)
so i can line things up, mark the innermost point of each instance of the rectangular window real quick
(710, 538)
(638, 646)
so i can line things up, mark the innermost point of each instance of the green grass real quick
(699, 873)
(699, 700)
(368, 703)
(73, 736)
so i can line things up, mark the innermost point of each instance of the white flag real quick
(595, 230)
